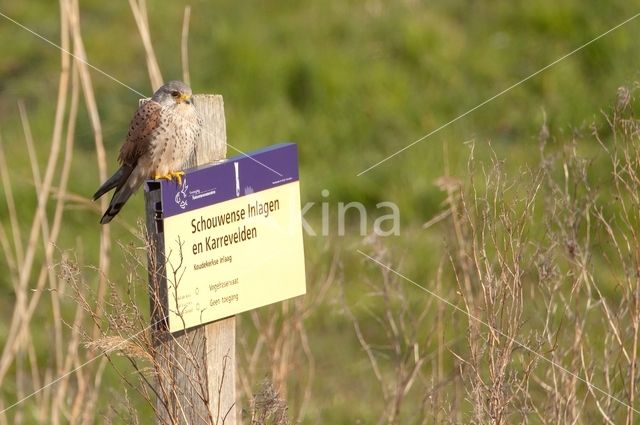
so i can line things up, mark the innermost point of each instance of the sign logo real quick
(181, 196)
(233, 237)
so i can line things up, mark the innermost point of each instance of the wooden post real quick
(195, 369)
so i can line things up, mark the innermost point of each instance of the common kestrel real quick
(161, 138)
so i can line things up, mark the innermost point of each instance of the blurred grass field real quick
(351, 82)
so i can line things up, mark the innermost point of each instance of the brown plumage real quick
(161, 138)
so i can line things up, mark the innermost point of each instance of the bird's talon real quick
(177, 175)
(155, 139)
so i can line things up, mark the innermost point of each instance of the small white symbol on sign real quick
(181, 197)
(235, 165)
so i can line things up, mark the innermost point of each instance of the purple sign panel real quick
(234, 177)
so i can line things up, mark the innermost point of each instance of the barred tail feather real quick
(126, 183)
(113, 181)
(121, 196)
(129, 183)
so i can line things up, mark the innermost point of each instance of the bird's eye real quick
(175, 93)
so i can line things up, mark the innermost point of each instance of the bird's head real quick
(173, 92)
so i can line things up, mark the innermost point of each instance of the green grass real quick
(352, 82)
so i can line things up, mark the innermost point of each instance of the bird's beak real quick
(186, 98)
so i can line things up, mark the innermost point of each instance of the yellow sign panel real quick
(241, 253)
(234, 256)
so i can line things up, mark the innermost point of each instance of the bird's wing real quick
(145, 121)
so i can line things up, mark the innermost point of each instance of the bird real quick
(162, 135)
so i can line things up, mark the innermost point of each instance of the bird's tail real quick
(120, 197)
(112, 181)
